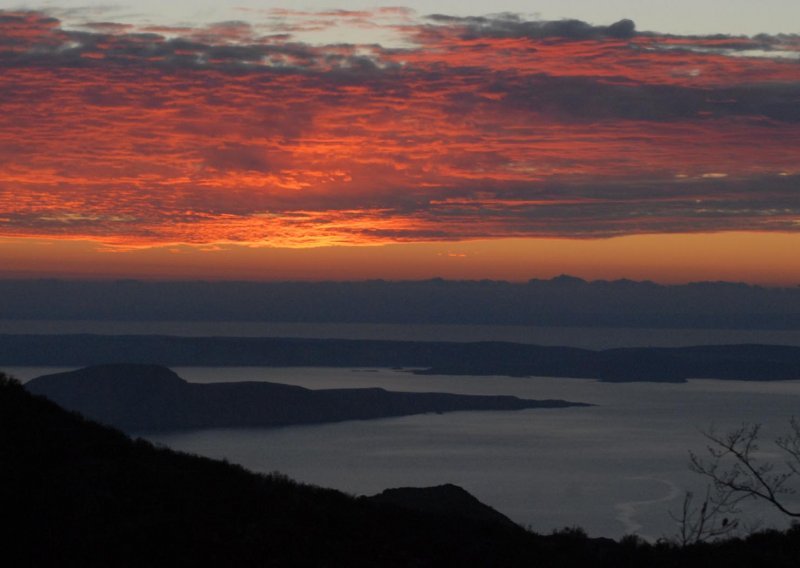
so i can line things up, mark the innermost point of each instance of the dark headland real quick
(153, 398)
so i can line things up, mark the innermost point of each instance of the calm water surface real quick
(615, 468)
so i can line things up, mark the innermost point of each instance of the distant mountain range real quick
(150, 398)
(561, 301)
(737, 362)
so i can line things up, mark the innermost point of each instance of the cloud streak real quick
(477, 128)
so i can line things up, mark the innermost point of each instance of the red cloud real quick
(219, 135)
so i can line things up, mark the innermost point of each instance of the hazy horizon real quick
(560, 301)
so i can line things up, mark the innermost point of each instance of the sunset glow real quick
(493, 147)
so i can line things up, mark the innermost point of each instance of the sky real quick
(251, 140)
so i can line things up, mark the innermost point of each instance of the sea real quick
(618, 467)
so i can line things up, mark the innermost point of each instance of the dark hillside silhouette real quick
(76, 492)
(447, 500)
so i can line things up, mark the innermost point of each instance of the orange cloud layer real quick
(482, 128)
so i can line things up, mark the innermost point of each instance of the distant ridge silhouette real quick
(561, 301)
(736, 362)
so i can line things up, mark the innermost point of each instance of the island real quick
(142, 398)
(666, 364)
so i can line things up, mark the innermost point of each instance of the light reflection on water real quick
(612, 468)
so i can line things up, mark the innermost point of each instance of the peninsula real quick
(139, 398)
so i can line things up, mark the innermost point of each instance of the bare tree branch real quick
(737, 473)
(709, 520)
